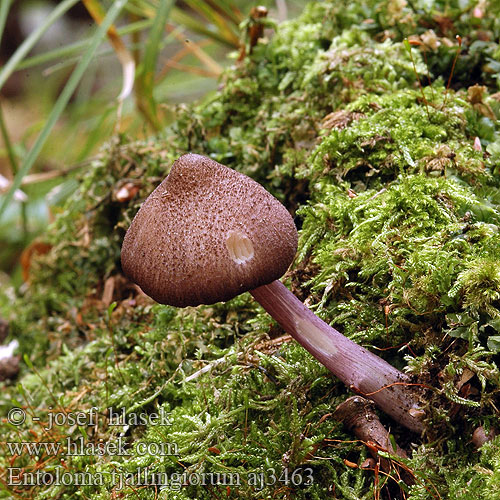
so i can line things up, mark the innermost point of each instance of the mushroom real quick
(208, 233)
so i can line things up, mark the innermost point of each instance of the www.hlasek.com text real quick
(80, 447)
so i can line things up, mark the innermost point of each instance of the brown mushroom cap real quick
(206, 234)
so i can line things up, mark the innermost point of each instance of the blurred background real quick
(69, 84)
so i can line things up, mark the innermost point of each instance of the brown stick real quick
(358, 415)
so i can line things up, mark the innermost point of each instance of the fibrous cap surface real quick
(206, 234)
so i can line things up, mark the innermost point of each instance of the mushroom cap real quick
(206, 234)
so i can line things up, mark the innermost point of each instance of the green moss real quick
(380, 144)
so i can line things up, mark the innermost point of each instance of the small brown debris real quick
(4, 329)
(126, 192)
(9, 364)
(368, 463)
(442, 158)
(416, 413)
(107, 294)
(430, 39)
(255, 29)
(340, 119)
(269, 347)
(350, 464)
(35, 248)
(373, 141)
(480, 437)
(9, 367)
(445, 24)
(464, 378)
(475, 95)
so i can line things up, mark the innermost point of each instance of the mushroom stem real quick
(360, 370)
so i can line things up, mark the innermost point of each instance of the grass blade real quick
(4, 12)
(63, 99)
(200, 54)
(8, 144)
(143, 8)
(217, 17)
(18, 195)
(231, 11)
(145, 82)
(28, 44)
(193, 24)
(153, 42)
(124, 56)
(76, 48)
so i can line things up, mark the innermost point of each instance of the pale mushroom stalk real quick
(208, 233)
(359, 369)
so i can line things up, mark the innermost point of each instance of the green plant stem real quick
(8, 144)
(63, 99)
(145, 83)
(4, 12)
(13, 166)
(74, 49)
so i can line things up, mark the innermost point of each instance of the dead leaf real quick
(126, 192)
(374, 140)
(35, 248)
(340, 119)
(107, 294)
(475, 95)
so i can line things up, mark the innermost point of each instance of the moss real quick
(399, 244)
(476, 479)
(400, 226)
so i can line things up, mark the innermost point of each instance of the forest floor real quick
(392, 173)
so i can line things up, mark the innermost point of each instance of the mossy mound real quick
(396, 190)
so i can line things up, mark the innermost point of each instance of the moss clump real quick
(404, 248)
(375, 148)
(401, 209)
(399, 246)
